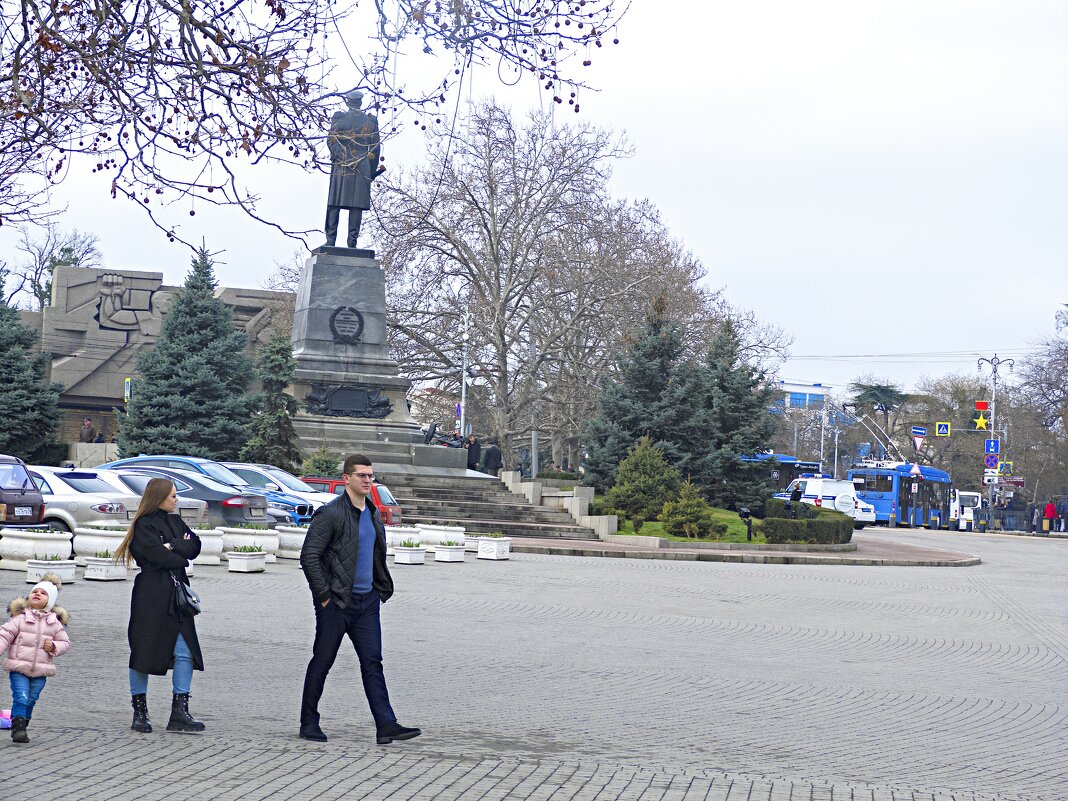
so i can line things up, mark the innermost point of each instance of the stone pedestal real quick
(350, 393)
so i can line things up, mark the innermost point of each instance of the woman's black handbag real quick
(186, 602)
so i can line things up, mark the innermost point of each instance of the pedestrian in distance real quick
(491, 462)
(161, 638)
(1036, 516)
(34, 636)
(1050, 514)
(474, 452)
(87, 433)
(344, 561)
(795, 497)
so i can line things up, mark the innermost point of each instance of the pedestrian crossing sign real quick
(942, 429)
(1004, 468)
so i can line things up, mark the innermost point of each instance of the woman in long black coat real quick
(160, 638)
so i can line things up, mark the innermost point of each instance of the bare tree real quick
(52, 247)
(173, 99)
(509, 234)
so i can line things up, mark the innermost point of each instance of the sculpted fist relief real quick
(118, 310)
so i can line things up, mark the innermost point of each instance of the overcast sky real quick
(887, 181)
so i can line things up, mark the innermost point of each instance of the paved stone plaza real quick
(548, 678)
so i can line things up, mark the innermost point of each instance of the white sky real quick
(875, 177)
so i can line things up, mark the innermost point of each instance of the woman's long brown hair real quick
(156, 492)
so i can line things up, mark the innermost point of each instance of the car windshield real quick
(385, 497)
(84, 484)
(203, 481)
(222, 474)
(137, 482)
(14, 476)
(288, 481)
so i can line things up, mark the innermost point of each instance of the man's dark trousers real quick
(360, 620)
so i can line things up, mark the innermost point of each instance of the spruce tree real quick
(736, 417)
(644, 400)
(644, 483)
(274, 441)
(29, 407)
(190, 393)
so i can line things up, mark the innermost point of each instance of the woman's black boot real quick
(141, 722)
(181, 720)
(18, 730)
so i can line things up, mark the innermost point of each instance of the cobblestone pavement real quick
(553, 678)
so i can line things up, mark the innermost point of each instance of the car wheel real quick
(858, 526)
(58, 525)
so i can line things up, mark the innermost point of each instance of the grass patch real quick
(735, 529)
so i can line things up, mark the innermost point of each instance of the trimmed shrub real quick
(563, 475)
(690, 515)
(644, 482)
(828, 528)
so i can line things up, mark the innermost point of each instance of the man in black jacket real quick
(344, 560)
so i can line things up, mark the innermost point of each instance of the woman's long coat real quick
(154, 624)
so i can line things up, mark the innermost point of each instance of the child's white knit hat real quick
(51, 589)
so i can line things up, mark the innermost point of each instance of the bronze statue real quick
(354, 152)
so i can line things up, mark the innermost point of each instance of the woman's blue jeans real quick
(181, 676)
(25, 690)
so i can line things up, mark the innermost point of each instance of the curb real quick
(747, 558)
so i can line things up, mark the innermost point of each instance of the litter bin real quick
(1045, 523)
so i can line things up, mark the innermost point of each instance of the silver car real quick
(74, 498)
(192, 510)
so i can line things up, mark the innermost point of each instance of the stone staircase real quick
(481, 505)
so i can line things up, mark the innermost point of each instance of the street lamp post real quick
(995, 365)
(463, 376)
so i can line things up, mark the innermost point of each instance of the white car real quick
(268, 477)
(192, 510)
(75, 498)
(831, 493)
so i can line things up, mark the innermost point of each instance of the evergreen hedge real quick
(827, 527)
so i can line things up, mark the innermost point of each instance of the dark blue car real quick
(298, 509)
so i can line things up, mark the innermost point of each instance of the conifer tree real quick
(639, 402)
(190, 393)
(644, 483)
(29, 407)
(274, 441)
(737, 422)
(689, 515)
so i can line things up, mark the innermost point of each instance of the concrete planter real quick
(17, 546)
(240, 562)
(290, 541)
(266, 539)
(408, 556)
(37, 568)
(498, 548)
(100, 568)
(211, 547)
(431, 534)
(93, 540)
(449, 553)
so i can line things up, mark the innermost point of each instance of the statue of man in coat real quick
(354, 153)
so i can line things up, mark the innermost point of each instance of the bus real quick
(783, 469)
(890, 487)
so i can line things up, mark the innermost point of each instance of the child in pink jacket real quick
(33, 637)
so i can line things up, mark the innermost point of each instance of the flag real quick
(982, 406)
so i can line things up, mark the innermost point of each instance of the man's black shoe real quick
(313, 733)
(395, 731)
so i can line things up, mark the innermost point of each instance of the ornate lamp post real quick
(995, 365)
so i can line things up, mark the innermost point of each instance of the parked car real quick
(193, 510)
(267, 477)
(831, 493)
(74, 498)
(21, 503)
(226, 505)
(298, 510)
(380, 495)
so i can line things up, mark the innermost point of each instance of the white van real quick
(964, 508)
(831, 493)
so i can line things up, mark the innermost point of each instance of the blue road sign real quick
(919, 431)
(993, 446)
(990, 461)
(941, 429)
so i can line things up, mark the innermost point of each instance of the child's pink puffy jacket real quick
(23, 637)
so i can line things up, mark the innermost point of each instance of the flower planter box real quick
(102, 568)
(91, 540)
(290, 541)
(237, 562)
(494, 548)
(211, 547)
(17, 546)
(449, 553)
(431, 534)
(408, 556)
(35, 568)
(265, 538)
